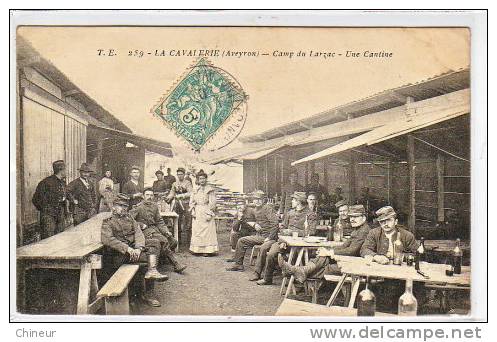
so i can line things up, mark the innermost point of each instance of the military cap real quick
(299, 196)
(357, 210)
(258, 194)
(58, 165)
(341, 203)
(85, 168)
(122, 200)
(159, 172)
(180, 169)
(385, 213)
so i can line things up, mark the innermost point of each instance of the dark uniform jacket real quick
(169, 179)
(294, 221)
(148, 213)
(267, 218)
(248, 215)
(353, 245)
(130, 189)
(377, 242)
(86, 196)
(50, 195)
(160, 186)
(347, 228)
(119, 233)
(286, 196)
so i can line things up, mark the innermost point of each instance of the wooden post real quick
(352, 179)
(325, 174)
(412, 183)
(440, 188)
(266, 165)
(389, 182)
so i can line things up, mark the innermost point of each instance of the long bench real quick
(290, 307)
(115, 290)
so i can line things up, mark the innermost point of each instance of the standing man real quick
(315, 188)
(147, 212)
(169, 179)
(160, 185)
(132, 188)
(342, 220)
(124, 242)
(181, 191)
(83, 195)
(50, 198)
(265, 225)
(287, 189)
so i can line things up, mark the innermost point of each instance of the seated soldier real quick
(147, 213)
(301, 220)
(265, 225)
(125, 242)
(324, 263)
(241, 225)
(342, 220)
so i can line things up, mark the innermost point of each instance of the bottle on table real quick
(408, 304)
(420, 254)
(398, 251)
(366, 302)
(457, 257)
(338, 231)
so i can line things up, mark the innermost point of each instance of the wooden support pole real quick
(440, 188)
(412, 183)
(389, 182)
(352, 178)
(325, 175)
(266, 165)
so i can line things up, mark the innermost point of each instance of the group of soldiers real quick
(135, 233)
(260, 226)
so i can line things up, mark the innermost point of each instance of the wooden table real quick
(71, 249)
(298, 246)
(290, 307)
(356, 267)
(175, 217)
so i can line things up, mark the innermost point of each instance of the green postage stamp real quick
(206, 107)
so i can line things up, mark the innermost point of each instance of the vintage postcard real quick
(270, 171)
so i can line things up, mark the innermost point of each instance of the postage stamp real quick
(205, 102)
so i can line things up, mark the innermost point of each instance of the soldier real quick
(266, 226)
(83, 195)
(181, 191)
(132, 188)
(147, 212)
(287, 189)
(324, 263)
(343, 220)
(380, 240)
(318, 189)
(301, 220)
(160, 185)
(169, 179)
(50, 198)
(125, 242)
(241, 225)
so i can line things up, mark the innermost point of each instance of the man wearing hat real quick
(380, 240)
(159, 185)
(301, 220)
(83, 195)
(181, 191)
(50, 198)
(324, 263)
(132, 188)
(265, 225)
(287, 189)
(125, 242)
(342, 221)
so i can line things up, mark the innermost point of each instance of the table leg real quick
(337, 290)
(356, 281)
(21, 286)
(176, 232)
(84, 288)
(290, 258)
(292, 278)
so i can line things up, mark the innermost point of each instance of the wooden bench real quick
(290, 307)
(115, 290)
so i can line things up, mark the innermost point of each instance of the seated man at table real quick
(265, 225)
(342, 220)
(124, 242)
(324, 262)
(380, 240)
(301, 220)
(147, 212)
(241, 225)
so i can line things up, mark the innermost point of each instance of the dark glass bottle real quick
(366, 302)
(457, 257)
(420, 254)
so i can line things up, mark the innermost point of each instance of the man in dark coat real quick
(342, 220)
(241, 225)
(169, 179)
(132, 188)
(50, 198)
(287, 190)
(160, 185)
(83, 195)
(181, 191)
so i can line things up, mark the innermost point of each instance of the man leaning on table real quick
(324, 262)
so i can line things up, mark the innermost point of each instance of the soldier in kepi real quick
(124, 242)
(181, 191)
(343, 221)
(50, 198)
(83, 195)
(147, 213)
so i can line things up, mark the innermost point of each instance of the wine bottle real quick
(420, 254)
(398, 251)
(408, 304)
(366, 303)
(457, 257)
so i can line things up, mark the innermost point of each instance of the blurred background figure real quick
(106, 192)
